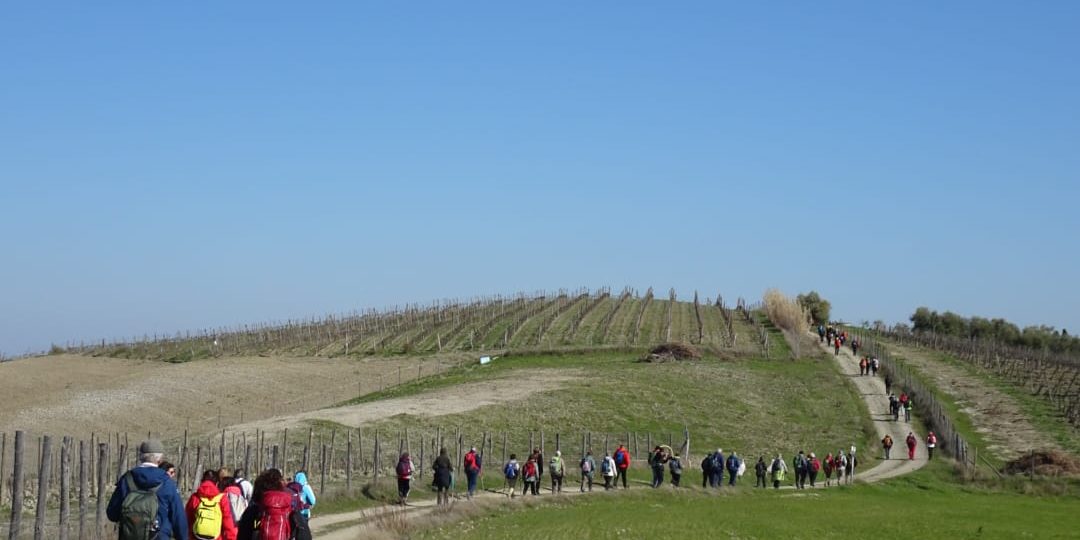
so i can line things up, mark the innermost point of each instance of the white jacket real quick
(611, 466)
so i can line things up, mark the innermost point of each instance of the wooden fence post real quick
(43, 487)
(103, 458)
(65, 487)
(84, 492)
(375, 459)
(348, 461)
(3, 448)
(322, 471)
(285, 451)
(16, 488)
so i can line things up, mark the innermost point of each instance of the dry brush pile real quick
(789, 316)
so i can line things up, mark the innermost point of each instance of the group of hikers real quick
(147, 503)
(837, 339)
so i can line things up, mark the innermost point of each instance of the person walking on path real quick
(443, 470)
(557, 469)
(815, 466)
(245, 486)
(144, 483)
(849, 467)
(307, 495)
(855, 349)
(588, 468)
(706, 470)
(208, 511)
(539, 466)
(931, 443)
(607, 470)
(404, 472)
(530, 474)
(675, 466)
(778, 469)
(273, 512)
(836, 347)
(863, 366)
(821, 333)
(657, 461)
(828, 467)
(235, 497)
(888, 384)
(511, 472)
(874, 365)
(894, 407)
(734, 463)
(886, 445)
(839, 464)
(907, 410)
(799, 463)
(912, 442)
(622, 465)
(716, 469)
(472, 470)
(760, 470)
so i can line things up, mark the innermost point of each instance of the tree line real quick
(1040, 337)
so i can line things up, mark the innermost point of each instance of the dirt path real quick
(452, 400)
(994, 414)
(366, 523)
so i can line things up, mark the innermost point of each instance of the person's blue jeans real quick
(716, 478)
(471, 475)
(731, 477)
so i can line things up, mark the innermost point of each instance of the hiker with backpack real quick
(607, 470)
(778, 470)
(886, 445)
(146, 503)
(622, 464)
(442, 470)
(888, 385)
(855, 351)
(588, 467)
(209, 513)
(912, 442)
(530, 475)
(307, 495)
(246, 488)
(799, 463)
(827, 468)
(815, 466)
(557, 469)
(821, 333)
(734, 464)
(849, 466)
(657, 460)
(863, 366)
(716, 469)
(874, 365)
(760, 469)
(274, 512)
(511, 471)
(706, 470)
(234, 495)
(907, 410)
(839, 464)
(931, 443)
(836, 347)
(404, 470)
(472, 470)
(894, 407)
(675, 466)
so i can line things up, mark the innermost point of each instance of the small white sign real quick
(484, 360)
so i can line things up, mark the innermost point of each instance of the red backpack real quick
(274, 520)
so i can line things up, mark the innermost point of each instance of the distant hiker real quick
(800, 464)
(622, 463)
(855, 348)
(675, 466)
(849, 467)
(472, 470)
(911, 443)
(530, 475)
(888, 384)
(894, 407)
(307, 494)
(886, 445)
(588, 468)
(245, 486)
(442, 469)
(821, 333)
(836, 347)
(404, 472)
(931, 443)
(863, 365)
(874, 366)
(274, 512)
(839, 464)
(760, 469)
(539, 465)
(778, 470)
(657, 460)
(208, 511)
(827, 466)
(607, 470)
(907, 410)
(557, 470)
(706, 470)
(146, 502)
(716, 469)
(734, 463)
(511, 471)
(903, 398)
(815, 466)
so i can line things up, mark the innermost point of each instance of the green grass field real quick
(926, 504)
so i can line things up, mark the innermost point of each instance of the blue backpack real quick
(510, 470)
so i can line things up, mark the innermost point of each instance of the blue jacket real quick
(307, 496)
(733, 463)
(172, 521)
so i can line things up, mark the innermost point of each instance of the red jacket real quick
(912, 441)
(470, 461)
(626, 459)
(210, 490)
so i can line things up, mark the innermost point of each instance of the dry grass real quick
(790, 317)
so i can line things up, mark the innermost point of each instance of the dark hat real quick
(151, 446)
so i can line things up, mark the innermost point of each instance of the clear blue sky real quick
(181, 165)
